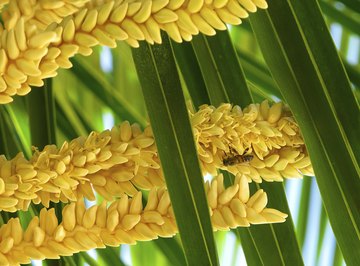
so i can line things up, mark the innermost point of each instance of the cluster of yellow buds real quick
(40, 36)
(269, 133)
(40, 13)
(125, 221)
(124, 159)
(111, 162)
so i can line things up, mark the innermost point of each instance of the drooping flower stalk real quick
(124, 159)
(125, 221)
(41, 36)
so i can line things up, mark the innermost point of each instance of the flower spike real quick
(124, 159)
(40, 36)
(125, 221)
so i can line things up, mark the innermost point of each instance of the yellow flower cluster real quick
(124, 158)
(125, 221)
(41, 36)
(269, 133)
(111, 162)
(40, 13)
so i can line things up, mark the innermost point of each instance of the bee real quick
(234, 158)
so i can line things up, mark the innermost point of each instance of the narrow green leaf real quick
(259, 94)
(221, 245)
(68, 261)
(229, 68)
(110, 256)
(16, 137)
(189, 67)
(63, 122)
(173, 134)
(9, 143)
(303, 210)
(313, 82)
(102, 89)
(338, 258)
(42, 116)
(123, 76)
(352, 4)
(341, 17)
(251, 251)
(354, 74)
(66, 108)
(171, 250)
(85, 119)
(90, 260)
(210, 73)
(146, 253)
(220, 69)
(282, 235)
(322, 228)
(332, 74)
(344, 42)
(258, 74)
